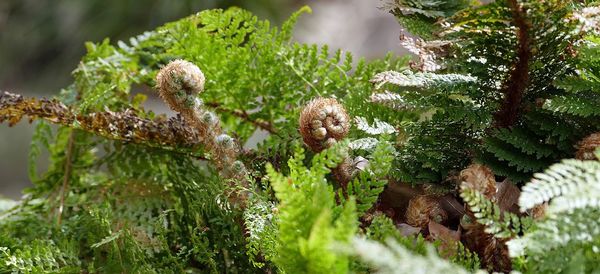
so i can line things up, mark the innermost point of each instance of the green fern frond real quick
(521, 161)
(570, 189)
(369, 183)
(524, 140)
(308, 221)
(584, 105)
(555, 232)
(408, 78)
(499, 223)
(571, 184)
(502, 168)
(39, 257)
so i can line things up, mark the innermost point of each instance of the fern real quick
(570, 185)
(570, 189)
(369, 183)
(470, 99)
(512, 84)
(260, 220)
(501, 224)
(421, 80)
(308, 220)
(382, 228)
(418, 15)
(378, 128)
(38, 257)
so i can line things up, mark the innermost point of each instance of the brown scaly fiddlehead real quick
(324, 122)
(422, 209)
(179, 83)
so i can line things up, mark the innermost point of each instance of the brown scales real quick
(516, 84)
(423, 209)
(587, 147)
(323, 114)
(125, 126)
(179, 83)
(322, 123)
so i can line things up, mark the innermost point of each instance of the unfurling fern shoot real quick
(323, 122)
(179, 83)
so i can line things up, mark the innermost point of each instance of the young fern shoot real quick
(179, 83)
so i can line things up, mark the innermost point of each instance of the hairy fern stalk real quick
(446, 161)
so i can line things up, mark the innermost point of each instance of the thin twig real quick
(67, 174)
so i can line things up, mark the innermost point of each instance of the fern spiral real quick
(323, 122)
(179, 83)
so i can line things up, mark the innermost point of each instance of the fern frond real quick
(378, 127)
(369, 183)
(571, 190)
(570, 185)
(582, 104)
(38, 257)
(522, 162)
(389, 99)
(408, 78)
(367, 143)
(126, 126)
(566, 229)
(499, 223)
(419, 16)
(308, 221)
(394, 258)
(522, 139)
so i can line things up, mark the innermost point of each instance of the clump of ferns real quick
(179, 84)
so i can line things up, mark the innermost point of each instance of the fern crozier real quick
(323, 122)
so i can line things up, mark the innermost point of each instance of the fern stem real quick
(164, 134)
(242, 114)
(517, 82)
(67, 174)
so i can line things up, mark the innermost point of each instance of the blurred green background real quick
(41, 42)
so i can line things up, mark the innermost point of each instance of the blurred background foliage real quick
(41, 42)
